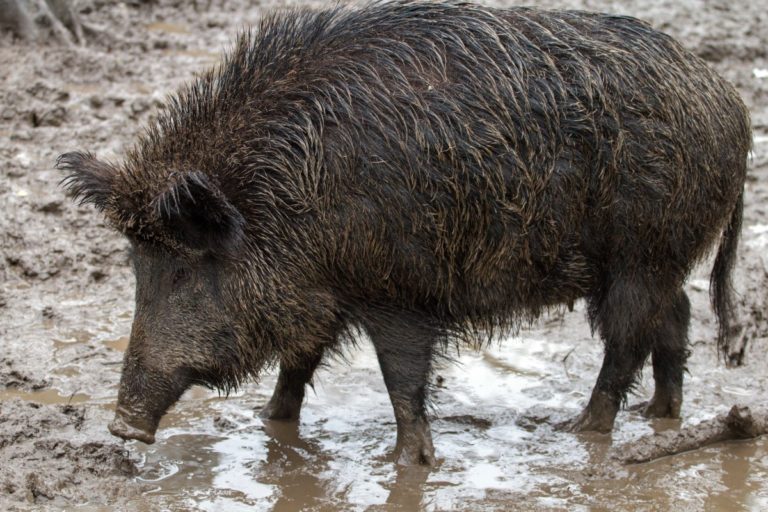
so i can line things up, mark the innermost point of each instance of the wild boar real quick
(430, 173)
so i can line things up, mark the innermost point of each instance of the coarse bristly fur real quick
(472, 166)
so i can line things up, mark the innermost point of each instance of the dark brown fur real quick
(428, 172)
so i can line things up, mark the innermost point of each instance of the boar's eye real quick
(179, 275)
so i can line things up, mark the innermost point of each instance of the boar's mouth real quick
(130, 426)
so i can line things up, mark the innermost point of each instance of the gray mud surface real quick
(66, 302)
(50, 456)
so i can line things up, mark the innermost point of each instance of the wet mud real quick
(66, 303)
(51, 458)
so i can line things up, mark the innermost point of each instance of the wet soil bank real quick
(66, 306)
(51, 457)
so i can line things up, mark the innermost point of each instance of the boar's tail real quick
(720, 285)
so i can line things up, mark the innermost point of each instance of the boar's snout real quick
(129, 427)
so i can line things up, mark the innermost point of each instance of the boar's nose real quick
(128, 427)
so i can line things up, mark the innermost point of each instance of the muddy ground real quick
(66, 306)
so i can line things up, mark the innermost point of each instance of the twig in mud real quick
(565, 358)
(737, 349)
(739, 423)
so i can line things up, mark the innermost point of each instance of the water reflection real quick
(407, 492)
(304, 480)
(292, 465)
(496, 445)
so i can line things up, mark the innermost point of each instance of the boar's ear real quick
(196, 212)
(88, 179)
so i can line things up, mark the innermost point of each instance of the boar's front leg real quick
(404, 344)
(285, 404)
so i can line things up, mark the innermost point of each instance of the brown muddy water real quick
(495, 446)
(66, 307)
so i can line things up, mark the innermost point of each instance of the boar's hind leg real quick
(285, 404)
(404, 346)
(627, 316)
(670, 352)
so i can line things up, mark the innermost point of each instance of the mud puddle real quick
(46, 396)
(493, 433)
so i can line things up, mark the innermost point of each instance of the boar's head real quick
(185, 236)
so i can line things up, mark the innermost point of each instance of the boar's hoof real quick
(120, 427)
(414, 446)
(416, 456)
(662, 405)
(587, 421)
(281, 410)
(597, 416)
(669, 409)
